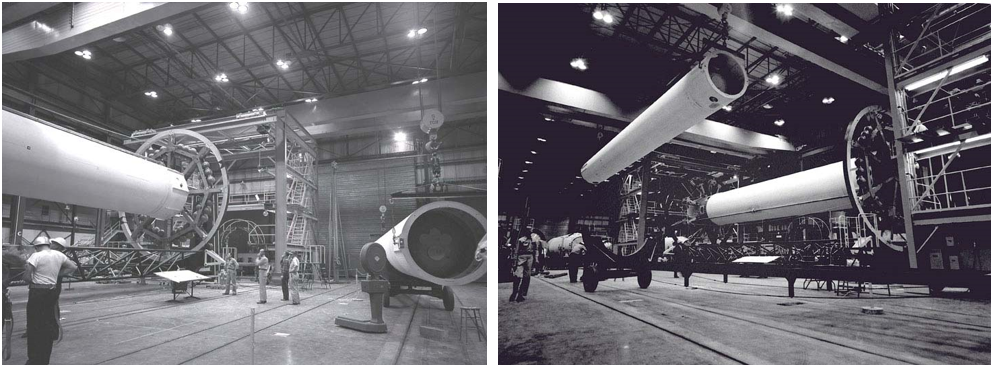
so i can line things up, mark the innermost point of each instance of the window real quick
(44, 210)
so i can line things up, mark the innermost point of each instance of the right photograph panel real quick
(744, 184)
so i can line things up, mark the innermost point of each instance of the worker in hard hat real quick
(42, 271)
(285, 275)
(262, 268)
(295, 279)
(231, 275)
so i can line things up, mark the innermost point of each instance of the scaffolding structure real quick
(271, 150)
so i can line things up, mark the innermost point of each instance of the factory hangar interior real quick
(312, 128)
(571, 80)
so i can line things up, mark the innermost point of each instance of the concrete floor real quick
(133, 324)
(748, 320)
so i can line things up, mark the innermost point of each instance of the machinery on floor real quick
(434, 249)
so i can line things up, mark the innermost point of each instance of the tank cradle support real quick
(374, 261)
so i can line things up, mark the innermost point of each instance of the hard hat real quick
(41, 240)
(60, 241)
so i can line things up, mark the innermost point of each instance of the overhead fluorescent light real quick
(957, 69)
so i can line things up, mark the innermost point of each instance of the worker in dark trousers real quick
(262, 269)
(285, 277)
(524, 256)
(41, 273)
(539, 239)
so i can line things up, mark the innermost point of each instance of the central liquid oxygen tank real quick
(438, 243)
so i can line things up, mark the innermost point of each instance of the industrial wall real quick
(369, 168)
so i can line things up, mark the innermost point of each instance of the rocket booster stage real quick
(821, 189)
(714, 82)
(438, 243)
(46, 162)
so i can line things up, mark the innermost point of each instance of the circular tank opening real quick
(443, 242)
(726, 74)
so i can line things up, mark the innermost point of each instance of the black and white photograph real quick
(236, 183)
(775, 184)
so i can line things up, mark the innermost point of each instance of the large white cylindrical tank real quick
(46, 162)
(437, 243)
(713, 83)
(821, 189)
(565, 245)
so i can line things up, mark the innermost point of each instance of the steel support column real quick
(280, 182)
(896, 98)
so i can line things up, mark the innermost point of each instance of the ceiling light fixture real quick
(84, 54)
(152, 94)
(842, 38)
(579, 64)
(767, 106)
(773, 79)
(785, 9)
(779, 122)
(221, 78)
(239, 6)
(195, 121)
(528, 162)
(534, 152)
(541, 139)
(727, 108)
(283, 64)
(828, 100)
(400, 137)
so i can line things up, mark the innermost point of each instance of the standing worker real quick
(295, 279)
(524, 257)
(262, 268)
(41, 273)
(231, 275)
(285, 277)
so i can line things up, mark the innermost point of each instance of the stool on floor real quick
(468, 315)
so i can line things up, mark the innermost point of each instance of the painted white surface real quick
(822, 189)
(400, 257)
(45, 162)
(692, 99)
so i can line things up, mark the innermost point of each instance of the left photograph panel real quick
(244, 183)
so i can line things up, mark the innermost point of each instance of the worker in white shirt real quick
(295, 280)
(231, 275)
(262, 268)
(42, 271)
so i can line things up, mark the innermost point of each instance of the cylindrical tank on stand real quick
(437, 243)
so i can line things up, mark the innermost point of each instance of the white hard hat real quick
(60, 241)
(41, 240)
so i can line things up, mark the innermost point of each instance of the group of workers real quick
(45, 268)
(290, 279)
(525, 254)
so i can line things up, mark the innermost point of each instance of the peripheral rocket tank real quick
(437, 243)
(713, 83)
(563, 246)
(821, 189)
(47, 162)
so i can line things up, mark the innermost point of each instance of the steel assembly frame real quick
(918, 174)
(271, 159)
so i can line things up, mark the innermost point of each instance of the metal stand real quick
(374, 260)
